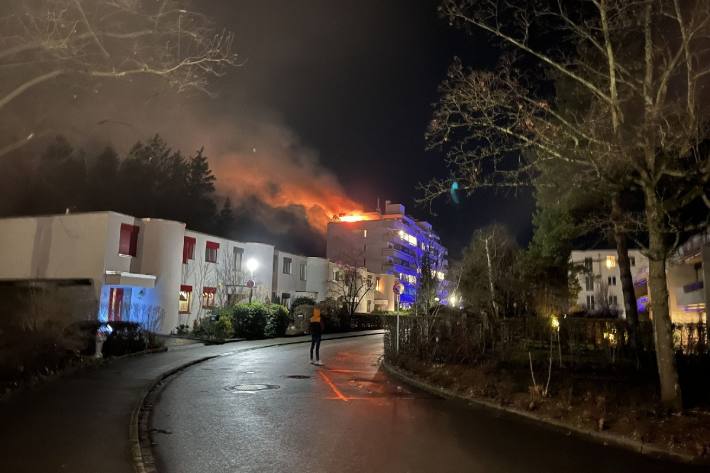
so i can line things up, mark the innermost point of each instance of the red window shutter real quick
(212, 245)
(124, 242)
(185, 288)
(133, 250)
(209, 290)
(188, 249)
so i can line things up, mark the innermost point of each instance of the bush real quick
(223, 327)
(302, 300)
(277, 320)
(125, 338)
(249, 320)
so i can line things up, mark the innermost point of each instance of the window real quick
(338, 275)
(364, 233)
(590, 302)
(188, 249)
(211, 248)
(613, 301)
(286, 299)
(369, 306)
(287, 266)
(208, 294)
(185, 300)
(588, 264)
(611, 262)
(238, 257)
(128, 242)
(378, 284)
(303, 271)
(408, 238)
(589, 282)
(612, 280)
(632, 260)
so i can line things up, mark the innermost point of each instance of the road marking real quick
(330, 383)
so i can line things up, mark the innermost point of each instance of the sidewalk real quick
(80, 423)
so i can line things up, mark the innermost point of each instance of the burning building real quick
(389, 242)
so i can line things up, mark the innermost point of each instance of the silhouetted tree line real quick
(151, 180)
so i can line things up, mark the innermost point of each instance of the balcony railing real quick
(692, 287)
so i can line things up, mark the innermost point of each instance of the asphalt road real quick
(269, 410)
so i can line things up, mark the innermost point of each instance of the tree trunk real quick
(627, 282)
(658, 294)
(490, 280)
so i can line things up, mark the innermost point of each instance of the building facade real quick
(686, 273)
(152, 271)
(389, 242)
(599, 279)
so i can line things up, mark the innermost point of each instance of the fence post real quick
(397, 340)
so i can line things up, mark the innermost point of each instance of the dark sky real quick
(355, 80)
(326, 113)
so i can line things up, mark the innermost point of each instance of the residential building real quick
(686, 273)
(153, 271)
(600, 281)
(388, 242)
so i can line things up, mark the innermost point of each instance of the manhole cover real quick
(250, 388)
(298, 376)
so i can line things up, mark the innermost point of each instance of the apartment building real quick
(389, 242)
(686, 272)
(153, 271)
(600, 281)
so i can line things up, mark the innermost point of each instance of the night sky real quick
(355, 80)
(326, 113)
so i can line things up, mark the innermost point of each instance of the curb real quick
(138, 427)
(604, 438)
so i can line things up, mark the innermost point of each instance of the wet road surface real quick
(269, 410)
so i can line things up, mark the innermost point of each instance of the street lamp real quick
(252, 265)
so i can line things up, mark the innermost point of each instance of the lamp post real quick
(252, 265)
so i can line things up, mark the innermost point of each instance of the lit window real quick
(611, 262)
(185, 300)
(287, 266)
(208, 294)
(364, 233)
(378, 284)
(188, 249)
(439, 275)
(128, 242)
(408, 238)
(211, 251)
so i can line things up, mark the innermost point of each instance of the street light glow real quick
(252, 264)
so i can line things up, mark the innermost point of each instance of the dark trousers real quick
(315, 343)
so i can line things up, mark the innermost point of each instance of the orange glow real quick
(333, 387)
(352, 218)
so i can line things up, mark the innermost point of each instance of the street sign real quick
(397, 288)
(250, 283)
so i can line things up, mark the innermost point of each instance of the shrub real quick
(125, 338)
(302, 300)
(249, 320)
(223, 327)
(182, 329)
(277, 320)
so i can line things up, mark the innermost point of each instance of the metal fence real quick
(573, 342)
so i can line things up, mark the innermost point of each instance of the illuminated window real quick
(211, 251)
(128, 242)
(188, 249)
(408, 238)
(439, 275)
(364, 233)
(208, 294)
(611, 262)
(378, 284)
(185, 300)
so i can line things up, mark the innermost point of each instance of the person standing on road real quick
(316, 329)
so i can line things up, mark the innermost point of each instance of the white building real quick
(388, 242)
(686, 272)
(153, 271)
(600, 281)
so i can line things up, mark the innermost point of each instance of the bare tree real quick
(231, 280)
(46, 41)
(350, 286)
(636, 71)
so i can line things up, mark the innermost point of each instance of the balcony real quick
(690, 294)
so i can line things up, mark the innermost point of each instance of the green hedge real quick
(257, 320)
